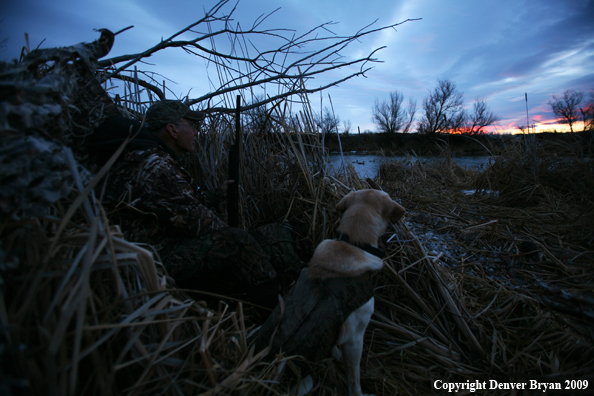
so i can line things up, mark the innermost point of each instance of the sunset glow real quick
(502, 61)
(536, 127)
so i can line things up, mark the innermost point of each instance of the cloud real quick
(493, 49)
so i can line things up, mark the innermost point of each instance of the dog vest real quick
(314, 311)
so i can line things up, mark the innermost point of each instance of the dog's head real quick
(372, 207)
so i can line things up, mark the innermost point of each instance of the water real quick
(368, 165)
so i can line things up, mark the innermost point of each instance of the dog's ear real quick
(345, 203)
(393, 211)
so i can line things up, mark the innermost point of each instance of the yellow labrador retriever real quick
(332, 301)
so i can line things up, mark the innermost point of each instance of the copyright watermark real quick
(473, 386)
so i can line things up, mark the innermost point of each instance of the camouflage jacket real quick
(155, 196)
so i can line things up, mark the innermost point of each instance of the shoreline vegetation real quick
(391, 144)
(476, 287)
(489, 277)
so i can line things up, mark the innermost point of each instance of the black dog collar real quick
(341, 236)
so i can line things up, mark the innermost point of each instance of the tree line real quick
(442, 112)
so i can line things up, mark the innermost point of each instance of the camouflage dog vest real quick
(313, 313)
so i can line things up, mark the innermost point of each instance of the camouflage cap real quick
(169, 111)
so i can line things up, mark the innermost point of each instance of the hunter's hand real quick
(225, 186)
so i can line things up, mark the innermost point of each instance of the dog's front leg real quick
(350, 341)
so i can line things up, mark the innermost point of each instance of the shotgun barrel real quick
(234, 161)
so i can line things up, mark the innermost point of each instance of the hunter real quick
(161, 205)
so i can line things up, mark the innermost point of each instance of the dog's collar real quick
(341, 236)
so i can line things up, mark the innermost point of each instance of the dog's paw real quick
(337, 354)
(303, 387)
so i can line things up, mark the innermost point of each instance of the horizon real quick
(517, 131)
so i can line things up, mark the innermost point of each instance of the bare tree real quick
(346, 126)
(480, 118)
(587, 111)
(443, 109)
(567, 107)
(328, 122)
(389, 115)
(411, 111)
(287, 67)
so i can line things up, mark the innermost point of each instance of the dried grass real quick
(511, 263)
(88, 312)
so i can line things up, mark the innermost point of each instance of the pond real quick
(368, 165)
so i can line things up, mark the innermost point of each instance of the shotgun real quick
(234, 161)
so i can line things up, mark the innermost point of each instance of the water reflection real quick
(368, 165)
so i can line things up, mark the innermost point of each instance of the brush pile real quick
(488, 286)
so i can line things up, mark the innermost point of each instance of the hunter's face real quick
(186, 135)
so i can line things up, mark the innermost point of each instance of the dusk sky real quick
(496, 50)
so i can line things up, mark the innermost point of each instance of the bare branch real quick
(566, 108)
(443, 109)
(142, 83)
(480, 118)
(284, 95)
(283, 66)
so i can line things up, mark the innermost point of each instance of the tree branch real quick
(284, 66)
(142, 83)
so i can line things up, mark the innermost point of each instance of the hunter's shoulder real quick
(152, 160)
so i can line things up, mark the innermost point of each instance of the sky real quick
(494, 50)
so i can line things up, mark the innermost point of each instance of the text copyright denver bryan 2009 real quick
(544, 386)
